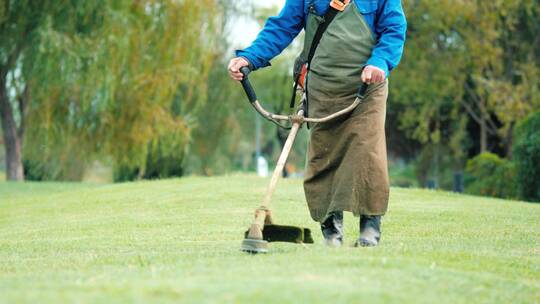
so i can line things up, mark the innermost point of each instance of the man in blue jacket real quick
(347, 165)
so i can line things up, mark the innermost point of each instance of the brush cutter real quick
(263, 230)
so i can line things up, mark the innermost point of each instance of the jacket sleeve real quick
(277, 34)
(391, 28)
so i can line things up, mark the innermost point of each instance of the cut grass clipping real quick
(178, 241)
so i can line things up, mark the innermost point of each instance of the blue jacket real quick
(385, 18)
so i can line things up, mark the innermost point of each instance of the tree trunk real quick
(12, 140)
(483, 136)
(509, 141)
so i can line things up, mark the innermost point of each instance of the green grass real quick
(178, 240)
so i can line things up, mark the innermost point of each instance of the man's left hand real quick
(372, 74)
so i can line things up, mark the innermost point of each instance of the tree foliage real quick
(225, 134)
(467, 61)
(103, 77)
(470, 72)
(527, 157)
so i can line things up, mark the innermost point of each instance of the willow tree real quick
(99, 79)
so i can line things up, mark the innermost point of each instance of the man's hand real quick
(373, 74)
(234, 67)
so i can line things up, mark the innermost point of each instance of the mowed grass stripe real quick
(178, 240)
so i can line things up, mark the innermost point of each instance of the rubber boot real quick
(332, 229)
(370, 231)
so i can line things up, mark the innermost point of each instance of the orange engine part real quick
(302, 78)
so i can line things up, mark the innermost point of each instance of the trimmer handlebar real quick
(252, 97)
(362, 90)
(248, 88)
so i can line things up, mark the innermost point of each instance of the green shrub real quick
(54, 163)
(527, 157)
(164, 159)
(402, 174)
(488, 174)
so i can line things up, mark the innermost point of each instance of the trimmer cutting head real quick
(276, 233)
(289, 234)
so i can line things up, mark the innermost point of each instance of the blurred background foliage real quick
(140, 88)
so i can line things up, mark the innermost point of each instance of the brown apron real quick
(346, 162)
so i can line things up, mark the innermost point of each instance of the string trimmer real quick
(263, 230)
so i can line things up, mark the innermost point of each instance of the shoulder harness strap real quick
(336, 6)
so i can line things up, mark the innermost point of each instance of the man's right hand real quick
(234, 67)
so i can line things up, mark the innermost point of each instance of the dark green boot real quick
(370, 231)
(332, 229)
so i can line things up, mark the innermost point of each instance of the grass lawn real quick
(178, 241)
